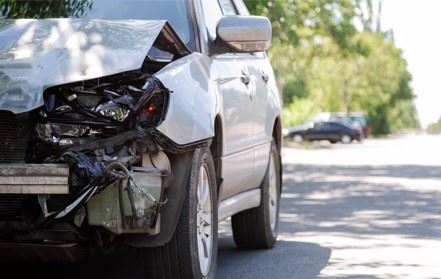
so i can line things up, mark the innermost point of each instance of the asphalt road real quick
(370, 210)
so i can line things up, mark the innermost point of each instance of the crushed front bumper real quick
(41, 179)
(130, 204)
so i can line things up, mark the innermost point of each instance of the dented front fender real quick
(192, 108)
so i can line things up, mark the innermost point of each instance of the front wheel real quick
(192, 252)
(257, 228)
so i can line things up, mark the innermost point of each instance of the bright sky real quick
(417, 30)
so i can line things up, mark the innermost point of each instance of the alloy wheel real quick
(273, 195)
(204, 219)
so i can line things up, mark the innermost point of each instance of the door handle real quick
(265, 77)
(245, 79)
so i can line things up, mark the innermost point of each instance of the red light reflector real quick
(150, 108)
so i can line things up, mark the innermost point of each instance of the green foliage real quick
(402, 116)
(325, 63)
(43, 8)
(435, 128)
(298, 112)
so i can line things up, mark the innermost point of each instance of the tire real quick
(298, 138)
(181, 257)
(256, 228)
(346, 139)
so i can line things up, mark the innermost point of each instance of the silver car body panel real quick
(193, 105)
(239, 203)
(36, 54)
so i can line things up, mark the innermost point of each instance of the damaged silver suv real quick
(140, 123)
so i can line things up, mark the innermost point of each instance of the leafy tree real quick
(296, 20)
(435, 128)
(43, 8)
(325, 61)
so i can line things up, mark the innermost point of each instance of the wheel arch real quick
(192, 104)
(216, 149)
(277, 136)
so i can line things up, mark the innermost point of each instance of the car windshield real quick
(175, 11)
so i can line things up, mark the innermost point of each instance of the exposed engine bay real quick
(101, 131)
(90, 155)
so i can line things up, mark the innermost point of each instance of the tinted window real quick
(359, 120)
(321, 126)
(175, 11)
(336, 126)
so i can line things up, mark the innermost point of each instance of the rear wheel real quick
(298, 138)
(346, 139)
(192, 252)
(257, 228)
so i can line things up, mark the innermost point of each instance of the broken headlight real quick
(118, 103)
(60, 133)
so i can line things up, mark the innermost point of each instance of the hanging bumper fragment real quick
(131, 204)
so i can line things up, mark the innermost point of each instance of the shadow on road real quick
(398, 171)
(286, 259)
(341, 199)
(289, 259)
(370, 216)
(123, 265)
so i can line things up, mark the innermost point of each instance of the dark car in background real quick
(353, 118)
(327, 130)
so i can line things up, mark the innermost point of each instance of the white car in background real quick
(140, 123)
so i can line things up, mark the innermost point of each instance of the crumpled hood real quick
(39, 53)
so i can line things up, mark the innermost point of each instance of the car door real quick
(317, 132)
(328, 131)
(309, 133)
(264, 101)
(335, 131)
(235, 88)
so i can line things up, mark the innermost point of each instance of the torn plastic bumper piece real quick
(119, 200)
(129, 206)
(116, 195)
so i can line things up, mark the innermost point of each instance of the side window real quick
(228, 7)
(212, 15)
(319, 126)
(325, 126)
(243, 10)
(334, 126)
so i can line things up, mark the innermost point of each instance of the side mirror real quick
(245, 33)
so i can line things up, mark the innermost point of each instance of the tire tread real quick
(173, 260)
(251, 228)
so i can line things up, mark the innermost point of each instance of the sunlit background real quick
(416, 26)
(378, 57)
